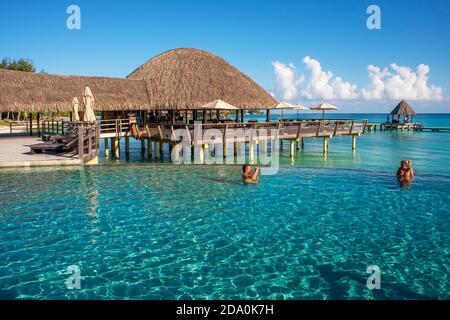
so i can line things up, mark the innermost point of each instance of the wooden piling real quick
(292, 147)
(149, 148)
(105, 140)
(353, 142)
(127, 145)
(142, 145)
(116, 148)
(325, 144)
(251, 152)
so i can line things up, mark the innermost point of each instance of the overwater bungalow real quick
(164, 94)
(403, 109)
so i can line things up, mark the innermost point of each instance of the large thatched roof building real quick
(177, 79)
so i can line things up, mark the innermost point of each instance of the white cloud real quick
(324, 86)
(286, 81)
(396, 83)
(403, 83)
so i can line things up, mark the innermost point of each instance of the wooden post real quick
(149, 148)
(80, 142)
(161, 148)
(127, 145)
(106, 148)
(116, 148)
(157, 152)
(38, 119)
(251, 152)
(353, 142)
(236, 148)
(297, 144)
(292, 144)
(267, 115)
(31, 124)
(303, 143)
(142, 145)
(264, 146)
(201, 154)
(325, 144)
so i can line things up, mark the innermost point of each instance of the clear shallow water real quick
(166, 232)
(149, 230)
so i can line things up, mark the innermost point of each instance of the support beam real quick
(127, 145)
(116, 148)
(303, 143)
(149, 148)
(251, 152)
(297, 144)
(142, 145)
(292, 147)
(353, 142)
(325, 144)
(105, 140)
(236, 148)
(157, 152)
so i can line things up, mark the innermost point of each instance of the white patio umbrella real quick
(218, 105)
(324, 106)
(300, 107)
(88, 100)
(76, 104)
(284, 105)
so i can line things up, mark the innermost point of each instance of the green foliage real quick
(17, 65)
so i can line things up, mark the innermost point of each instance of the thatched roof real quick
(190, 78)
(25, 91)
(403, 108)
(177, 79)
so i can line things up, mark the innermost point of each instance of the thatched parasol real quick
(300, 107)
(324, 106)
(88, 100)
(76, 104)
(284, 105)
(218, 105)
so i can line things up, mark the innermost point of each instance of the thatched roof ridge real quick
(25, 91)
(403, 108)
(188, 78)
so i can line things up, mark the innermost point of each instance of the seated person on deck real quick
(248, 175)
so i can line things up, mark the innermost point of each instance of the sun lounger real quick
(47, 146)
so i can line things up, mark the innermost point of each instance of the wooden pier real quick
(154, 136)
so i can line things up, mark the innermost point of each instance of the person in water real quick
(250, 175)
(405, 173)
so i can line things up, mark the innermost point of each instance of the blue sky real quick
(117, 36)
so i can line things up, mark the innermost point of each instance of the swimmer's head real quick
(246, 168)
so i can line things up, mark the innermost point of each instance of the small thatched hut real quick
(175, 80)
(403, 109)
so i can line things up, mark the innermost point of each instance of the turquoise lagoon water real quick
(148, 230)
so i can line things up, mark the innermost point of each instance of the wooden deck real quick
(15, 152)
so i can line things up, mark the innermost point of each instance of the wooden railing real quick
(88, 141)
(286, 130)
(115, 127)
